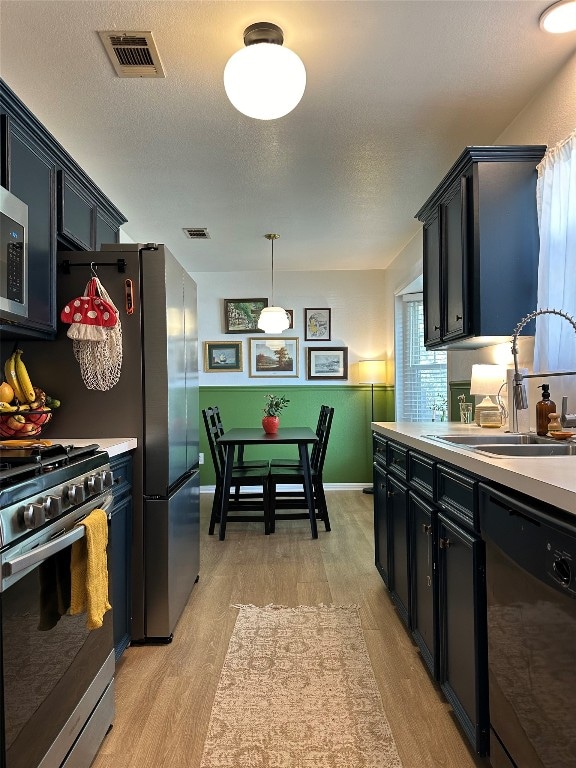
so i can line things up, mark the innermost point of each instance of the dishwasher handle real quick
(515, 506)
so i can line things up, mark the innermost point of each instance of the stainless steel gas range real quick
(57, 691)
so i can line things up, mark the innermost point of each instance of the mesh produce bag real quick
(101, 360)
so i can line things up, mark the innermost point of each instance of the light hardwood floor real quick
(164, 694)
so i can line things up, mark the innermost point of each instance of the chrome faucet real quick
(520, 398)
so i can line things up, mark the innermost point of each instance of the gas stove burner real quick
(16, 464)
(39, 452)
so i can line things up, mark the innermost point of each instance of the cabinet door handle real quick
(390, 494)
(445, 543)
(458, 317)
(426, 528)
(436, 327)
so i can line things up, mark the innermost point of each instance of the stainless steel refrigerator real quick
(155, 400)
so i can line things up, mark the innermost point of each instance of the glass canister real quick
(491, 418)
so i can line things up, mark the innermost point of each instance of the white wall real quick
(355, 298)
(550, 116)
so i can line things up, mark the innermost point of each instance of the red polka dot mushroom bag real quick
(88, 315)
(96, 336)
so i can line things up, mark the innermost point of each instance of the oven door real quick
(49, 662)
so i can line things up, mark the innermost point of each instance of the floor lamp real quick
(372, 372)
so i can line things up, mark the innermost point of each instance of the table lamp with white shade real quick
(372, 372)
(486, 380)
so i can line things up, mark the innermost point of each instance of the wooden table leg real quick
(308, 492)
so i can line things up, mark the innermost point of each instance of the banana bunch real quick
(24, 408)
(17, 377)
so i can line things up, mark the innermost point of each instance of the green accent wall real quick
(349, 455)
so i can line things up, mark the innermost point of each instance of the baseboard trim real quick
(327, 487)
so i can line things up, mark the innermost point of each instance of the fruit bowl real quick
(23, 424)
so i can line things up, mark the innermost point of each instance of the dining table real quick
(240, 437)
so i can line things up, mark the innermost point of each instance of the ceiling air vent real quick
(197, 233)
(133, 54)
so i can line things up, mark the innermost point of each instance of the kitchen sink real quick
(533, 449)
(509, 444)
(499, 438)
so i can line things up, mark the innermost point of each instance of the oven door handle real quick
(43, 552)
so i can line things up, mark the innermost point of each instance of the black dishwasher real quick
(531, 596)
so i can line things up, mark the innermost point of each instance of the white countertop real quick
(549, 478)
(113, 445)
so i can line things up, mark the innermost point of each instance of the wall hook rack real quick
(120, 264)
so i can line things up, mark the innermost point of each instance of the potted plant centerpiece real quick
(274, 406)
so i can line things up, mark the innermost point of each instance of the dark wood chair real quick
(216, 426)
(292, 475)
(322, 417)
(240, 501)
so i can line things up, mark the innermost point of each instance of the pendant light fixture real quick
(273, 319)
(559, 17)
(264, 80)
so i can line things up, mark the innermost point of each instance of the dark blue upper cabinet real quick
(66, 210)
(76, 214)
(481, 247)
(32, 178)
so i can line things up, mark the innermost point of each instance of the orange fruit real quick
(6, 393)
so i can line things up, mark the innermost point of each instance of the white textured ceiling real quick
(395, 91)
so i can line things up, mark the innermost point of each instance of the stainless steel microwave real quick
(13, 255)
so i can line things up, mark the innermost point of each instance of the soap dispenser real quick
(543, 410)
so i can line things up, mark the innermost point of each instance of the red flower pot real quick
(270, 424)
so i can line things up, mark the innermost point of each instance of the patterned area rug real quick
(297, 691)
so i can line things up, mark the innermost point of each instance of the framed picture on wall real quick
(317, 324)
(327, 362)
(241, 315)
(275, 357)
(290, 313)
(221, 356)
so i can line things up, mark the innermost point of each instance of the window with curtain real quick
(555, 347)
(421, 376)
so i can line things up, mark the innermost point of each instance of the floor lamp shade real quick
(372, 372)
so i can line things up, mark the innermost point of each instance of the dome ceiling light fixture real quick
(559, 17)
(273, 319)
(264, 80)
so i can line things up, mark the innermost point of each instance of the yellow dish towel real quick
(89, 570)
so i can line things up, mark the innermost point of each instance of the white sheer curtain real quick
(555, 346)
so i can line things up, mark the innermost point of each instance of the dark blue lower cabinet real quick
(382, 529)
(121, 548)
(432, 559)
(400, 577)
(423, 548)
(463, 668)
